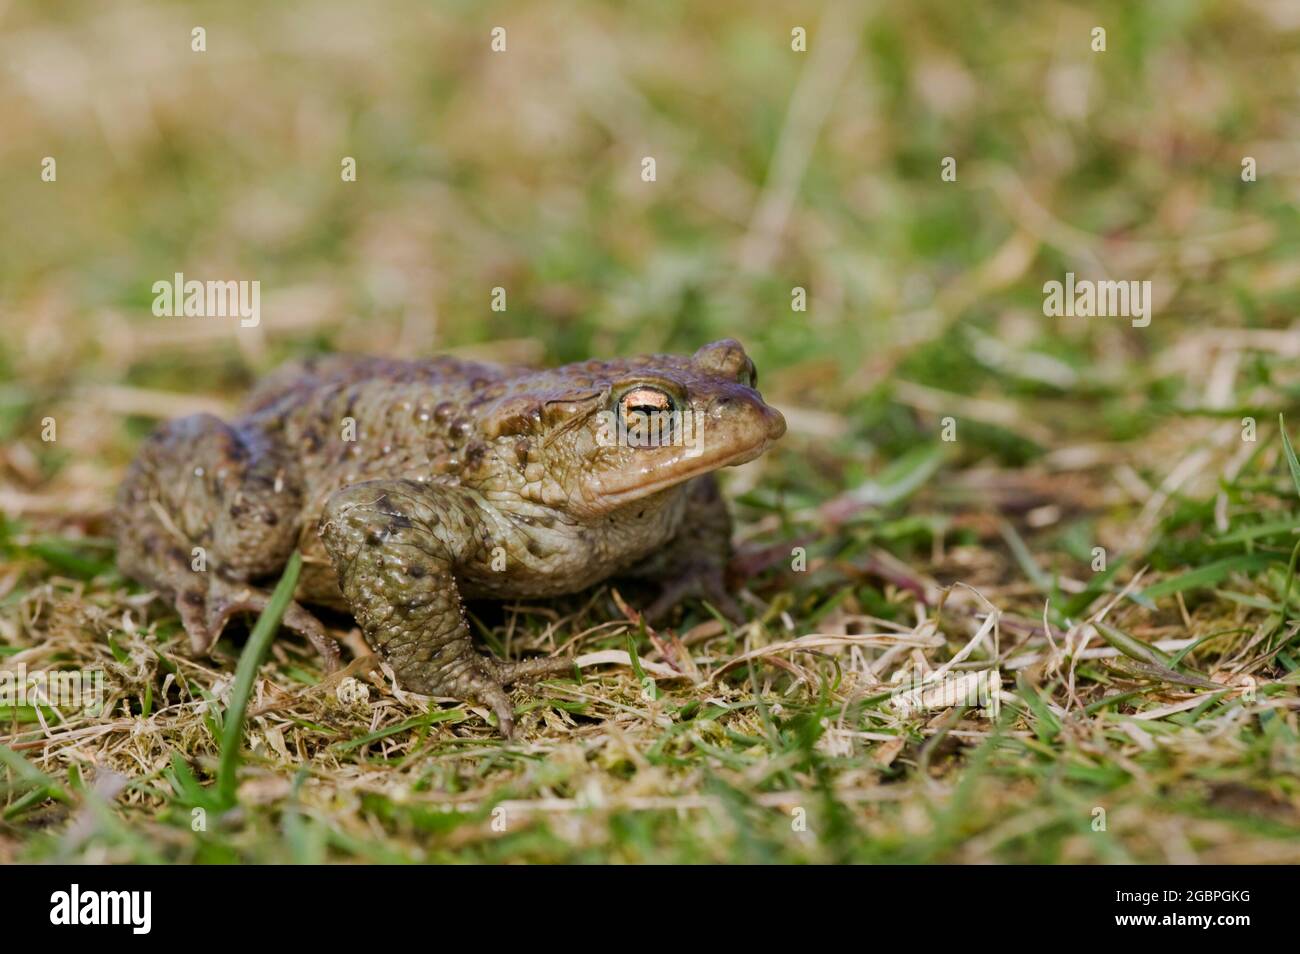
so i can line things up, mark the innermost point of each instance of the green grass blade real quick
(1210, 574)
(1290, 454)
(1134, 648)
(249, 661)
(43, 785)
(1046, 725)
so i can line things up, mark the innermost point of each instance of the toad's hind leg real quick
(398, 547)
(204, 509)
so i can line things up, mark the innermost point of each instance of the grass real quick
(1109, 539)
(232, 728)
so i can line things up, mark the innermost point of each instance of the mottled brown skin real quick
(411, 485)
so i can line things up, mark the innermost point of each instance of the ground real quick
(1090, 520)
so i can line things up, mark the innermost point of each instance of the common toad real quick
(410, 485)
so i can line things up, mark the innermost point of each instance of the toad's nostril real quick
(719, 406)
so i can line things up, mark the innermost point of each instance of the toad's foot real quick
(483, 678)
(205, 614)
(693, 564)
(699, 581)
(527, 670)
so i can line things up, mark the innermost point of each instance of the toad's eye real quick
(647, 401)
(748, 375)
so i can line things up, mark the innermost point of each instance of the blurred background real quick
(775, 170)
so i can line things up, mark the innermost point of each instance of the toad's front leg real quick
(397, 546)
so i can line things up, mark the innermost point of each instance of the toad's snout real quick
(746, 422)
(775, 423)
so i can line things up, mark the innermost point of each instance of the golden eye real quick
(645, 401)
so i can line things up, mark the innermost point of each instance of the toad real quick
(411, 486)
